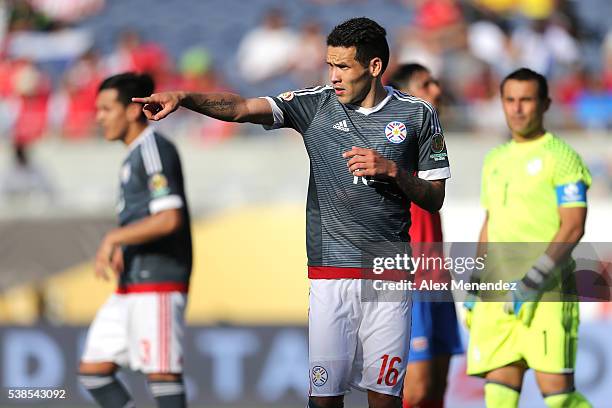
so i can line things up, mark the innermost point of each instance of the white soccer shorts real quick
(355, 343)
(142, 331)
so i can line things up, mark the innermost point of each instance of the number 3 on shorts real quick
(392, 374)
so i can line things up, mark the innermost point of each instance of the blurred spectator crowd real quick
(35, 103)
(51, 65)
(472, 45)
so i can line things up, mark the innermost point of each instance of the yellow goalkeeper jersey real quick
(523, 184)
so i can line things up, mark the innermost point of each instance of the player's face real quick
(351, 80)
(111, 115)
(523, 108)
(424, 86)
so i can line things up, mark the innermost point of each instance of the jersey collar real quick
(147, 131)
(532, 143)
(381, 104)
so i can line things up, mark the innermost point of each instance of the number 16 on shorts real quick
(389, 374)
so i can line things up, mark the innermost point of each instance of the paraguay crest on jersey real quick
(395, 132)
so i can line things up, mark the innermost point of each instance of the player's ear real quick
(546, 104)
(376, 67)
(133, 111)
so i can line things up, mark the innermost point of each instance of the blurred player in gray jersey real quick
(141, 326)
(372, 150)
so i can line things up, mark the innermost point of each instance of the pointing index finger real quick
(142, 100)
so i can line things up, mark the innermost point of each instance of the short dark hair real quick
(367, 36)
(526, 74)
(403, 75)
(129, 85)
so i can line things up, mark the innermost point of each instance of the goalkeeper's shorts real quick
(549, 344)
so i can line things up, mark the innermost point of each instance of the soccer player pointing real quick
(366, 142)
(355, 72)
(534, 191)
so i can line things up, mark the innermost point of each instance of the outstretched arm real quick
(223, 106)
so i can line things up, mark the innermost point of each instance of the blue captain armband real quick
(571, 194)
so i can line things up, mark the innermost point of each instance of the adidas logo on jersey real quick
(341, 126)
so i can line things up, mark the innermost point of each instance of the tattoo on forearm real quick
(218, 106)
(419, 191)
(417, 188)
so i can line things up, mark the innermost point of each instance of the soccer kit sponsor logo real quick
(342, 125)
(534, 166)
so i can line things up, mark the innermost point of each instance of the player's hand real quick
(103, 259)
(116, 262)
(160, 105)
(522, 303)
(367, 162)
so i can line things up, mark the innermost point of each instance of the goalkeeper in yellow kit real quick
(534, 191)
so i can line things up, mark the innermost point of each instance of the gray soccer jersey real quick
(151, 180)
(344, 214)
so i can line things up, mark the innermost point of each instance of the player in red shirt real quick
(435, 331)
